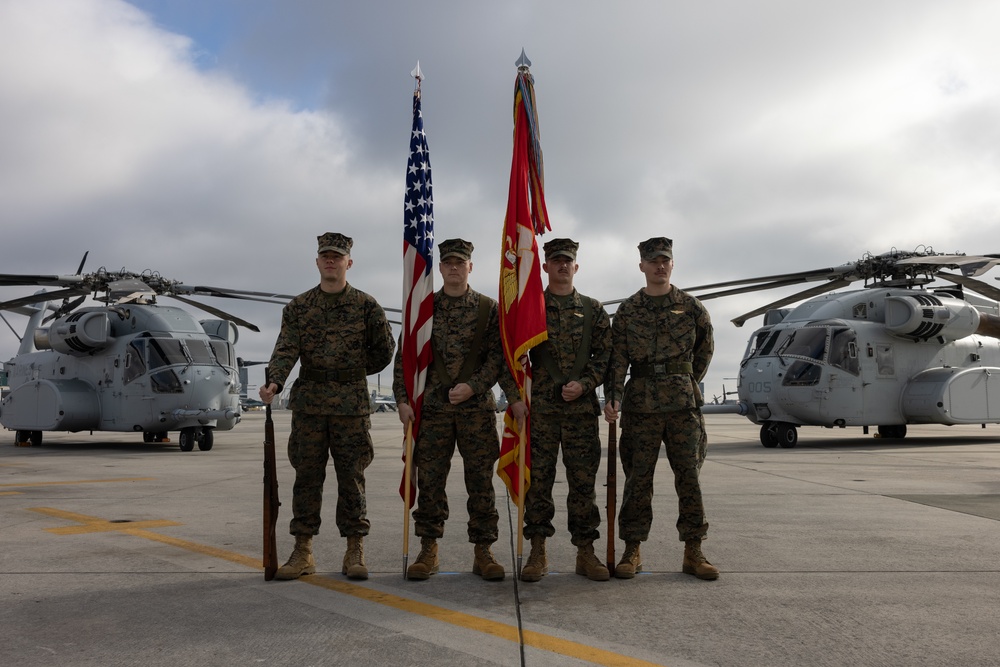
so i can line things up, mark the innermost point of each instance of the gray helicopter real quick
(130, 364)
(894, 353)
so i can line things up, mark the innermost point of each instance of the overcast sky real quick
(212, 141)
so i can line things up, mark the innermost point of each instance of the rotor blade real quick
(65, 309)
(83, 261)
(41, 298)
(971, 265)
(751, 288)
(215, 311)
(799, 276)
(225, 293)
(11, 279)
(972, 284)
(798, 296)
(743, 290)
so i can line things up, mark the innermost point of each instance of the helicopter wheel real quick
(787, 435)
(896, 431)
(768, 436)
(22, 438)
(36, 438)
(207, 440)
(148, 437)
(187, 439)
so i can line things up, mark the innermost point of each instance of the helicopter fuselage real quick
(880, 356)
(135, 367)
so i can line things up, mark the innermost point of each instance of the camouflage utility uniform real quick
(578, 347)
(667, 341)
(340, 339)
(472, 424)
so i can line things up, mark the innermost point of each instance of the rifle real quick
(271, 502)
(612, 483)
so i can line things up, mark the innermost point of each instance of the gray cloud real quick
(213, 142)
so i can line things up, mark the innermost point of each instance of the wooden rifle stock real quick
(612, 486)
(612, 490)
(271, 502)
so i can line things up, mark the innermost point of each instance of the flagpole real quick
(521, 449)
(521, 298)
(418, 295)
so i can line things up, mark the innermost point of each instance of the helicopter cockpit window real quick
(135, 360)
(844, 350)
(166, 382)
(165, 352)
(766, 343)
(808, 342)
(223, 353)
(802, 374)
(200, 352)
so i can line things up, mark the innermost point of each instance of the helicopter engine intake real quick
(924, 316)
(78, 334)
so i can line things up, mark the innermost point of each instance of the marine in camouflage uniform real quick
(340, 336)
(458, 408)
(566, 370)
(665, 336)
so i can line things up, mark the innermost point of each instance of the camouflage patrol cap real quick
(334, 242)
(455, 248)
(658, 246)
(561, 247)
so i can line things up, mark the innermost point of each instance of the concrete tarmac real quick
(846, 550)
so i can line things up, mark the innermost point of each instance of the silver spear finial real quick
(523, 63)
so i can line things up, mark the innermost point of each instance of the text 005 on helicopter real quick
(128, 365)
(891, 354)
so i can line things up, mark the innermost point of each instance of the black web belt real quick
(665, 368)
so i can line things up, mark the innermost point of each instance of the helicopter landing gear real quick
(207, 440)
(28, 438)
(783, 434)
(187, 439)
(150, 436)
(788, 435)
(195, 434)
(896, 431)
(768, 437)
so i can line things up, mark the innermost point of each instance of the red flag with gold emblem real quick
(522, 302)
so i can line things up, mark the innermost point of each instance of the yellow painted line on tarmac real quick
(10, 493)
(138, 529)
(79, 481)
(502, 630)
(460, 619)
(94, 525)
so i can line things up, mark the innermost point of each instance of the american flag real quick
(418, 278)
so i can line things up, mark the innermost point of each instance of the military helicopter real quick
(896, 352)
(130, 364)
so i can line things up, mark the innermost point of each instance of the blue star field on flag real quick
(419, 203)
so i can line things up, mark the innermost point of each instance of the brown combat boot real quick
(300, 562)
(354, 558)
(630, 563)
(589, 565)
(537, 565)
(427, 560)
(485, 565)
(695, 562)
